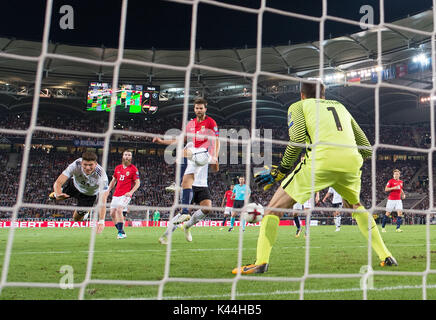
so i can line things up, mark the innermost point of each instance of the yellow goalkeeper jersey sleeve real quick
(335, 126)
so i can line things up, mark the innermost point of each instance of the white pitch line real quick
(184, 250)
(278, 292)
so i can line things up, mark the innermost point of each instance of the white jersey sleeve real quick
(72, 168)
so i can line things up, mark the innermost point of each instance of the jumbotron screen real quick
(130, 98)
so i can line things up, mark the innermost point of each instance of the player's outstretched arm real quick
(168, 142)
(57, 187)
(361, 140)
(102, 212)
(297, 135)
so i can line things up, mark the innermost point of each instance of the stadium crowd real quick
(156, 174)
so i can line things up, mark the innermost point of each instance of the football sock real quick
(297, 222)
(119, 227)
(384, 220)
(186, 199)
(338, 221)
(197, 216)
(232, 222)
(183, 168)
(399, 221)
(267, 238)
(171, 226)
(224, 221)
(376, 240)
(243, 224)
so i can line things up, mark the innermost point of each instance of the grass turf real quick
(39, 253)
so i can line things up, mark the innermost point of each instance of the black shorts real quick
(82, 199)
(200, 194)
(238, 204)
(337, 205)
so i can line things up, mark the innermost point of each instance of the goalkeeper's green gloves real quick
(267, 177)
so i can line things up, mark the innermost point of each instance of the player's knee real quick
(187, 181)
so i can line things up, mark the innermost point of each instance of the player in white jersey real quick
(306, 206)
(336, 203)
(82, 180)
(201, 197)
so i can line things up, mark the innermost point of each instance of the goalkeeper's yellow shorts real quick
(298, 185)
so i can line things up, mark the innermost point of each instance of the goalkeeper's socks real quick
(384, 220)
(399, 221)
(232, 222)
(267, 238)
(376, 240)
(297, 222)
(197, 216)
(186, 199)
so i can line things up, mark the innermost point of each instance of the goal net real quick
(366, 77)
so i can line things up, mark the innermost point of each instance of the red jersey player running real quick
(125, 175)
(229, 204)
(396, 193)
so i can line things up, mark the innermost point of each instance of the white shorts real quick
(228, 210)
(122, 201)
(394, 205)
(307, 204)
(297, 206)
(200, 173)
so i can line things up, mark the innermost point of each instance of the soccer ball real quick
(200, 157)
(253, 213)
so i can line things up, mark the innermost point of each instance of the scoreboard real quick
(129, 98)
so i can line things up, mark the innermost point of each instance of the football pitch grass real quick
(39, 253)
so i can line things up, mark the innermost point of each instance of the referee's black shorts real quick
(238, 204)
(200, 194)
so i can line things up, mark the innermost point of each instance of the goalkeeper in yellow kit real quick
(334, 160)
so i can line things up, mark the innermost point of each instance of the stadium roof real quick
(223, 76)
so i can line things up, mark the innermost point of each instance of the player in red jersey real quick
(125, 176)
(228, 200)
(204, 143)
(396, 193)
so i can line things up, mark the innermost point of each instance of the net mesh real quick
(254, 77)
